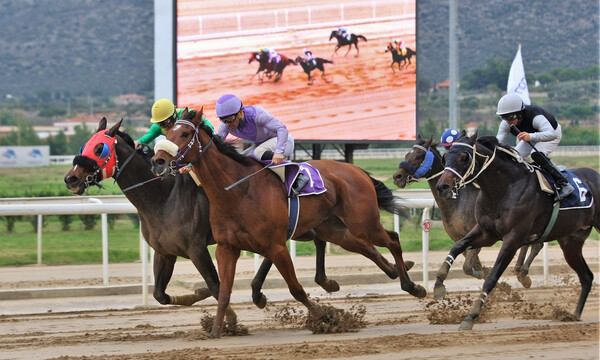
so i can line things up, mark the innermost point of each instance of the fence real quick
(198, 27)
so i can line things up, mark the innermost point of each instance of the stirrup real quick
(300, 182)
(565, 190)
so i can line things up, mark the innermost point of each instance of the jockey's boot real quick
(267, 155)
(299, 183)
(565, 189)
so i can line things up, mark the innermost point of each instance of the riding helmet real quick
(510, 103)
(227, 105)
(448, 137)
(162, 110)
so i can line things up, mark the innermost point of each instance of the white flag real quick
(516, 79)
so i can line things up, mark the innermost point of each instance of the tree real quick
(58, 144)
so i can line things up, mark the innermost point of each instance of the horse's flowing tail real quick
(361, 37)
(325, 61)
(386, 200)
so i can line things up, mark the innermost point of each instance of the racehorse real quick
(309, 66)
(264, 67)
(343, 41)
(458, 214)
(253, 216)
(158, 203)
(270, 69)
(511, 207)
(403, 61)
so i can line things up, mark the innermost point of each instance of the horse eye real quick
(185, 134)
(98, 149)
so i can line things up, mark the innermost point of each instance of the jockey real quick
(164, 115)
(538, 128)
(270, 138)
(448, 137)
(309, 58)
(341, 31)
(271, 53)
(399, 44)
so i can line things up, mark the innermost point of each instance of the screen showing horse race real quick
(340, 72)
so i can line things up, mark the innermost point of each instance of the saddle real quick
(579, 199)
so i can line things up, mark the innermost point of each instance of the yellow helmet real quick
(161, 110)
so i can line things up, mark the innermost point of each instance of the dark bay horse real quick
(403, 61)
(158, 204)
(309, 66)
(343, 41)
(511, 207)
(270, 69)
(458, 213)
(253, 216)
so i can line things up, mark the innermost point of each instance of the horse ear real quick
(418, 137)
(101, 124)
(113, 130)
(429, 142)
(200, 113)
(473, 138)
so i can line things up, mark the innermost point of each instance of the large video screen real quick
(365, 93)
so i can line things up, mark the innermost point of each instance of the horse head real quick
(460, 162)
(182, 144)
(333, 35)
(96, 161)
(417, 163)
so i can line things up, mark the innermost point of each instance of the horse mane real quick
(228, 149)
(490, 142)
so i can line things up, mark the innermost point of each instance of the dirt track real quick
(516, 323)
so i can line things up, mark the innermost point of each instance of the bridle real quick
(416, 173)
(470, 176)
(181, 153)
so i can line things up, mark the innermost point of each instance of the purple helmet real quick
(227, 105)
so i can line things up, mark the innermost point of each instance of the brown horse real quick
(403, 61)
(512, 207)
(309, 66)
(458, 214)
(158, 202)
(254, 215)
(270, 69)
(343, 41)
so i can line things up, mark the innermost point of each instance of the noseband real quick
(424, 167)
(181, 153)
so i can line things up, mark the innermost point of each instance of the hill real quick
(81, 47)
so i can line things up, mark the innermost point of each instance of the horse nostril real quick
(159, 161)
(71, 179)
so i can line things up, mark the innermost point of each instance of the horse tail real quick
(361, 37)
(325, 61)
(386, 200)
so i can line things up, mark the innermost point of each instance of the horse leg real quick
(310, 79)
(505, 255)
(334, 230)
(203, 262)
(226, 259)
(439, 289)
(393, 62)
(523, 270)
(349, 48)
(356, 46)
(283, 261)
(320, 276)
(163, 270)
(258, 298)
(472, 265)
(571, 246)
(405, 282)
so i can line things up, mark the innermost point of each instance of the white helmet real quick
(509, 103)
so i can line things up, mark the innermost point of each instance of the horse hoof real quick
(419, 292)
(202, 293)
(212, 335)
(439, 292)
(330, 286)
(478, 274)
(525, 281)
(466, 325)
(409, 264)
(262, 302)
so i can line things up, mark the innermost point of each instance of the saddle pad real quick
(544, 184)
(581, 198)
(315, 183)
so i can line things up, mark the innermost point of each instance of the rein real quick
(462, 182)
(183, 152)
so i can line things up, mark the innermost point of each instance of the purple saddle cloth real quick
(315, 184)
